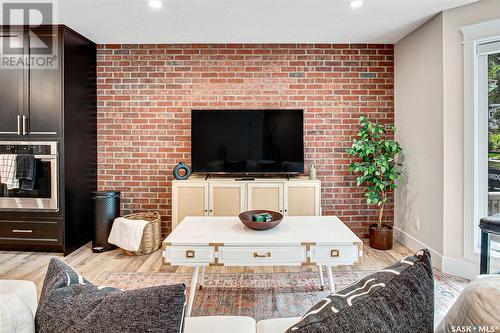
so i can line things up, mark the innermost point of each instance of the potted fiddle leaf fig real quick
(378, 172)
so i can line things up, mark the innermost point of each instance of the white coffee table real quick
(296, 241)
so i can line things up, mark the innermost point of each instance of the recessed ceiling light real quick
(356, 3)
(156, 4)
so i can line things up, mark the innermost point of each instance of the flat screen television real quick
(247, 142)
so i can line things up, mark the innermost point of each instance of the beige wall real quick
(441, 85)
(419, 122)
(454, 20)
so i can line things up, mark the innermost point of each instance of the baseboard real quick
(460, 268)
(447, 265)
(414, 244)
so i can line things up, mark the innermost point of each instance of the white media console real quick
(223, 196)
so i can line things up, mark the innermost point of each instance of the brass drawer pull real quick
(258, 255)
(190, 254)
(21, 231)
(335, 253)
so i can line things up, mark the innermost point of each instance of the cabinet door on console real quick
(226, 199)
(302, 199)
(188, 199)
(268, 196)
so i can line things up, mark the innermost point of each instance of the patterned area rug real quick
(264, 296)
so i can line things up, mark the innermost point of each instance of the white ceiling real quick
(248, 21)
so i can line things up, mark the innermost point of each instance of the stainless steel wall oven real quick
(44, 195)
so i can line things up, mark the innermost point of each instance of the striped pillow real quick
(399, 299)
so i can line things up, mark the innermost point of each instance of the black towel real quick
(26, 168)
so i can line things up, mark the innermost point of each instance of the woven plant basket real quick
(151, 238)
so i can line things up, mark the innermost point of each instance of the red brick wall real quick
(146, 93)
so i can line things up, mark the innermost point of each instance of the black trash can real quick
(106, 207)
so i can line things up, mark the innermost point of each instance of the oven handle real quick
(46, 157)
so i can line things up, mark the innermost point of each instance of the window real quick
(494, 141)
(481, 131)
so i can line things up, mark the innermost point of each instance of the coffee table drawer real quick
(335, 253)
(262, 256)
(189, 254)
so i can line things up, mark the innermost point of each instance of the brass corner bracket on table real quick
(216, 251)
(308, 253)
(164, 248)
(360, 249)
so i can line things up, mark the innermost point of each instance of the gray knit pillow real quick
(399, 298)
(70, 303)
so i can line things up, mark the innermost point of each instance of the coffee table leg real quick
(330, 279)
(202, 277)
(321, 279)
(192, 290)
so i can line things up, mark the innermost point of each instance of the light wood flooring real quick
(33, 265)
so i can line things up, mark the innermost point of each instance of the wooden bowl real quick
(246, 218)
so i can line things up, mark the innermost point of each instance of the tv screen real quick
(247, 141)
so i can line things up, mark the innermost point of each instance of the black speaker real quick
(106, 207)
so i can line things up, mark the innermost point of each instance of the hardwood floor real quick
(33, 265)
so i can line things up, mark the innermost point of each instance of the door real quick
(12, 81)
(268, 196)
(302, 199)
(44, 113)
(226, 199)
(188, 199)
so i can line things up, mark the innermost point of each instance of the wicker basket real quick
(151, 238)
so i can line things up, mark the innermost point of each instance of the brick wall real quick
(146, 93)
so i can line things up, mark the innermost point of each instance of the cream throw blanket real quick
(127, 234)
(15, 315)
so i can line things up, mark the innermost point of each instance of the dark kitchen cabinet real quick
(11, 101)
(45, 87)
(31, 91)
(56, 104)
(11, 89)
